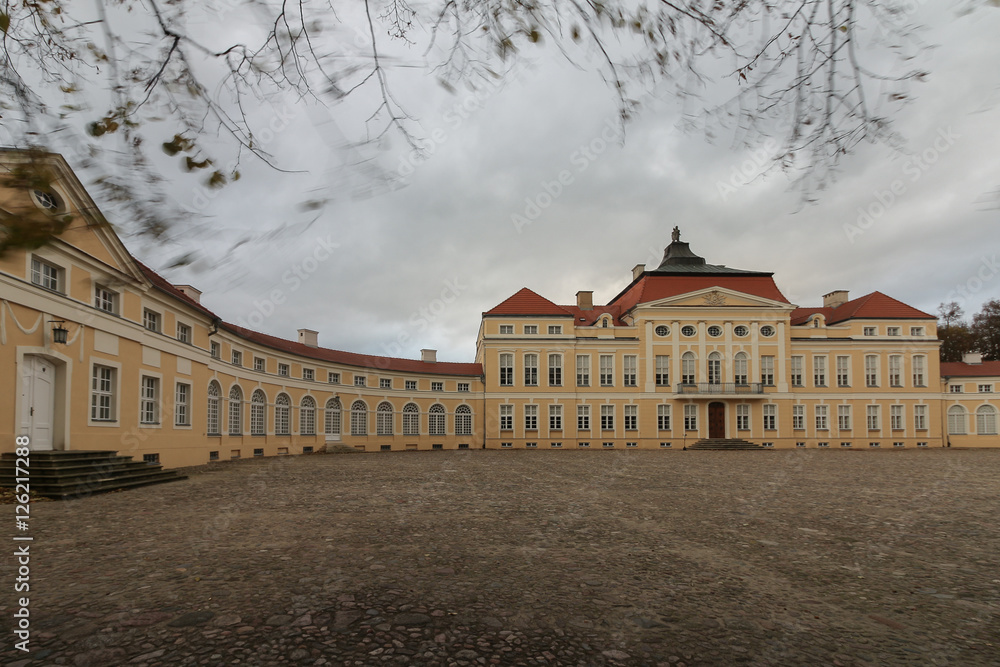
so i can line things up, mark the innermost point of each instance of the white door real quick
(37, 401)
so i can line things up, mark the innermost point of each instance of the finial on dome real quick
(676, 234)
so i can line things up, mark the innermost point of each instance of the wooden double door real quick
(716, 420)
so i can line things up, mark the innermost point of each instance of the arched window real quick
(359, 418)
(688, 361)
(282, 425)
(214, 394)
(258, 411)
(986, 420)
(956, 420)
(740, 370)
(715, 368)
(463, 420)
(411, 419)
(383, 418)
(307, 416)
(236, 410)
(435, 420)
(332, 417)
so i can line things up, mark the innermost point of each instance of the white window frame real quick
(871, 370)
(149, 400)
(795, 367)
(555, 417)
(607, 370)
(663, 417)
(630, 373)
(919, 369)
(530, 361)
(258, 412)
(798, 417)
(583, 370)
(506, 362)
(631, 417)
(307, 416)
(920, 417)
(384, 418)
(182, 404)
(819, 370)
(103, 394)
(260, 364)
(530, 417)
(555, 370)
(607, 417)
(106, 299)
(822, 415)
(583, 417)
(662, 366)
(843, 370)
(741, 368)
(742, 417)
(986, 420)
(689, 368)
(895, 370)
(958, 420)
(844, 417)
(690, 417)
(897, 417)
(332, 378)
(506, 417)
(506, 329)
(152, 320)
(873, 417)
(767, 370)
(770, 416)
(282, 414)
(411, 419)
(359, 418)
(555, 329)
(44, 272)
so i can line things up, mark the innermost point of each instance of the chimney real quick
(585, 300)
(192, 293)
(637, 270)
(972, 358)
(429, 356)
(835, 298)
(308, 337)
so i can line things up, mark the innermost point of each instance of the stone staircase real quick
(76, 474)
(724, 444)
(339, 448)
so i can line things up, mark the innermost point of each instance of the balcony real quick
(721, 389)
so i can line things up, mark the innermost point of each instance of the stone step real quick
(723, 444)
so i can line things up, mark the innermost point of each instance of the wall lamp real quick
(59, 332)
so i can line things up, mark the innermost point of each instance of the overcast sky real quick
(413, 266)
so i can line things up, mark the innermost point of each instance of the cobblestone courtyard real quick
(529, 558)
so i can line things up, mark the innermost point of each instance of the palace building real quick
(109, 355)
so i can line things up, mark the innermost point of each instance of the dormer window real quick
(604, 322)
(47, 200)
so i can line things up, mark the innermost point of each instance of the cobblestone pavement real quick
(528, 558)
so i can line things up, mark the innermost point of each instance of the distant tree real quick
(955, 335)
(986, 330)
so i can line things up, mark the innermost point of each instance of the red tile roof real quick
(164, 285)
(526, 302)
(653, 288)
(962, 369)
(874, 306)
(586, 318)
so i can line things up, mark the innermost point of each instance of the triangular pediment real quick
(717, 297)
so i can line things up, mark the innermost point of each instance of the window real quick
(149, 400)
(506, 370)
(663, 417)
(916, 331)
(216, 350)
(843, 371)
(259, 451)
(662, 330)
(629, 363)
(844, 417)
(896, 417)
(258, 412)
(151, 320)
(740, 375)
(307, 416)
(892, 331)
(463, 420)
(331, 417)
(895, 370)
(956, 388)
(986, 420)
(531, 418)
(360, 381)
(555, 417)
(798, 417)
(607, 362)
(506, 417)
(530, 445)
(583, 417)
(872, 413)
(530, 329)
(237, 358)
(871, 331)
(688, 330)
(607, 418)
(212, 419)
(985, 388)
(258, 364)
(359, 418)
(150, 458)
(767, 331)
(46, 275)
(555, 330)
(236, 410)
(688, 362)
(740, 331)
(690, 417)
(871, 370)
(822, 423)
(308, 374)
(662, 363)
(796, 371)
(715, 368)
(583, 370)
(530, 370)
(819, 371)
(631, 417)
(102, 394)
(411, 385)
(770, 417)
(383, 418)
(742, 417)
(333, 378)
(47, 200)
(437, 386)
(607, 445)
(918, 371)
(105, 299)
(506, 328)
(411, 419)
(920, 417)
(715, 331)
(182, 404)
(555, 370)
(385, 383)
(463, 386)
(282, 415)
(956, 420)
(767, 369)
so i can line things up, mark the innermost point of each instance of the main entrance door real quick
(716, 420)
(37, 401)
